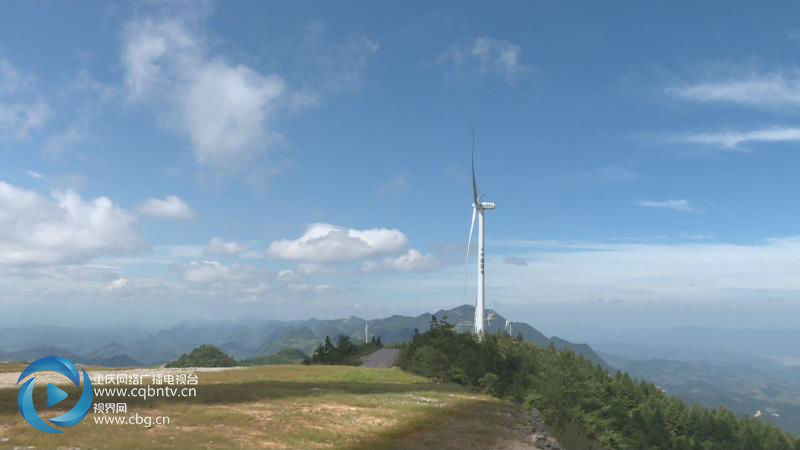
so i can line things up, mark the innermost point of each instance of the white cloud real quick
(515, 261)
(336, 66)
(370, 266)
(146, 46)
(119, 283)
(21, 109)
(491, 55)
(314, 288)
(307, 268)
(411, 261)
(771, 91)
(647, 272)
(12, 80)
(731, 140)
(287, 275)
(170, 207)
(73, 134)
(202, 272)
(36, 230)
(92, 96)
(18, 119)
(323, 243)
(677, 205)
(34, 174)
(222, 108)
(219, 247)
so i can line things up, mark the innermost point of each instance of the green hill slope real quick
(585, 405)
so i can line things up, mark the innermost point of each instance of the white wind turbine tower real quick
(478, 208)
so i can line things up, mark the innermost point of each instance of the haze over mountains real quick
(240, 339)
(751, 372)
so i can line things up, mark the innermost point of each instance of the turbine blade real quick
(474, 183)
(469, 246)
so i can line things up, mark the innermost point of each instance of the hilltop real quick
(298, 406)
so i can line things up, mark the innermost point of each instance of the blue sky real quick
(291, 159)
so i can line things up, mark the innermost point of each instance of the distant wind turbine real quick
(478, 208)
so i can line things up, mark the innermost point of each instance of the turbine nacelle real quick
(484, 205)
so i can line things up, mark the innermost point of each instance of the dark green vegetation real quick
(285, 356)
(344, 352)
(744, 385)
(204, 356)
(585, 405)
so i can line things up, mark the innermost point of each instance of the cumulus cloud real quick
(677, 205)
(66, 228)
(170, 207)
(322, 243)
(219, 247)
(202, 272)
(119, 283)
(492, 56)
(411, 261)
(226, 109)
(223, 108)
(245, 282)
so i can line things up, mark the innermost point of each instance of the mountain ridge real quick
(257, 338)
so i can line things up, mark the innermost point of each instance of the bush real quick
(204, 356)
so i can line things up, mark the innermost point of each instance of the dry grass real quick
(294, 407)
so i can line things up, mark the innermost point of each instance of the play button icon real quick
(54, 395)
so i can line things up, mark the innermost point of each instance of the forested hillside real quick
(585, 405)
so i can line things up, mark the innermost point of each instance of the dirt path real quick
(381, 359)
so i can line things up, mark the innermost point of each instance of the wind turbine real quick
(478, 207)
(491, 316)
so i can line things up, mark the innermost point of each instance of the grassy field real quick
(289, 406)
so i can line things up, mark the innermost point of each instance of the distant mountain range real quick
(241, 339)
